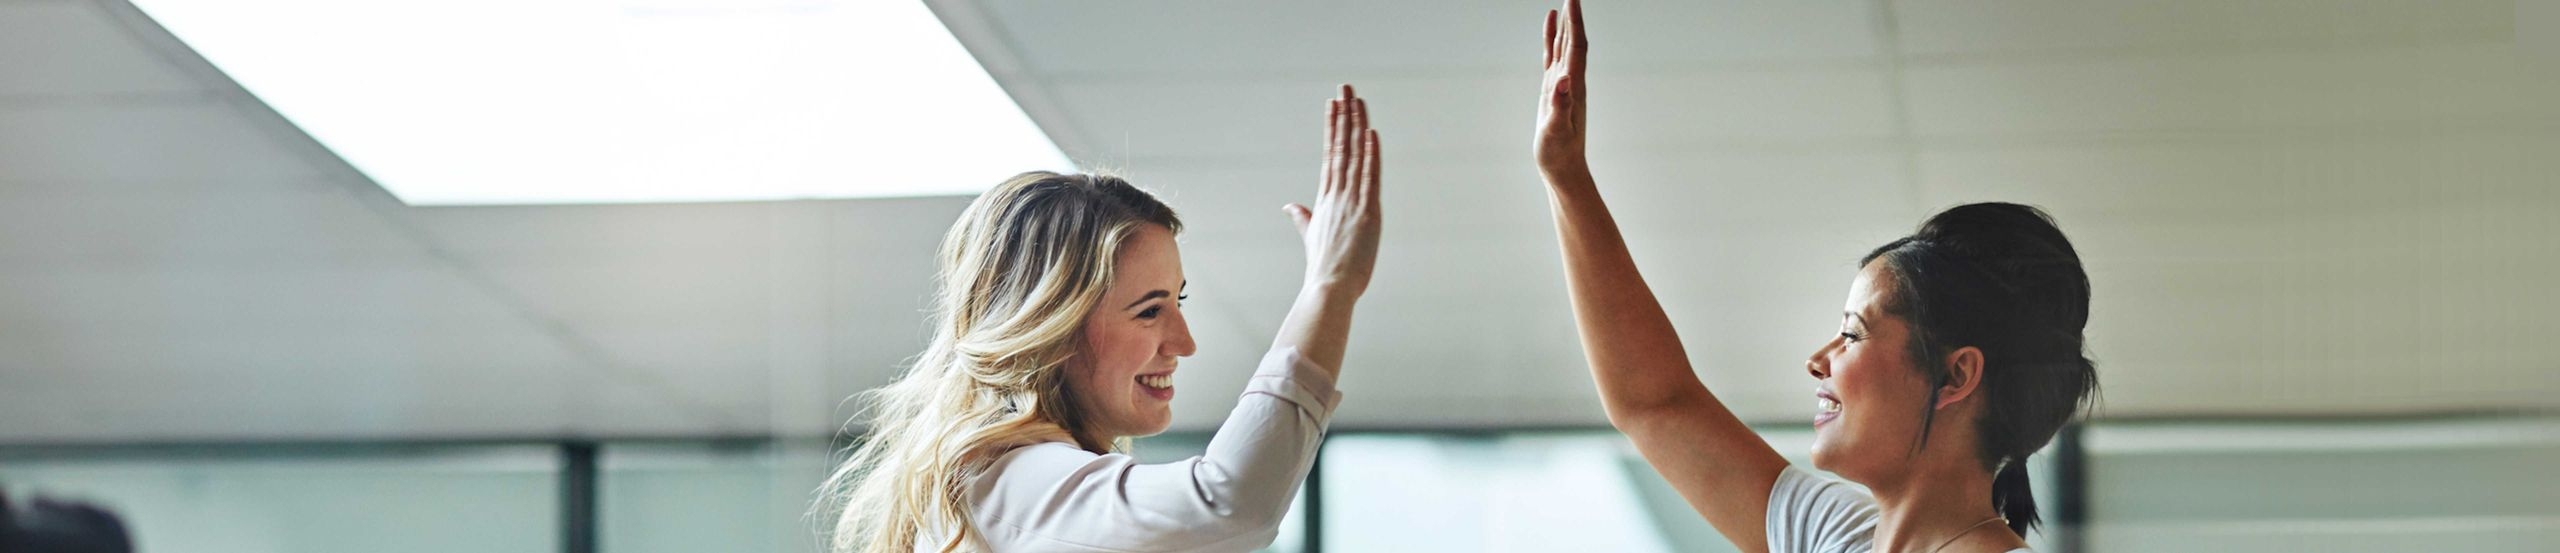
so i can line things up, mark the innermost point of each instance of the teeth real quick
(1825, 405)
(1157, 381)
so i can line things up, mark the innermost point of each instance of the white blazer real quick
(1057, 497)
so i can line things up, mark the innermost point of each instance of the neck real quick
(1937, 502)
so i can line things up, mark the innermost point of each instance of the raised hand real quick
(1563, 106)
(1341, 231)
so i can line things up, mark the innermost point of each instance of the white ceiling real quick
(2301, 208)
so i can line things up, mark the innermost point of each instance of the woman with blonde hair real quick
(1058, 326)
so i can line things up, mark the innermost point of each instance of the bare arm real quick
(1718, 464)
(1341, 236)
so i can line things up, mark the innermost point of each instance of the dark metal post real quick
(1314, 531)
(578, 497)
(2071, 491)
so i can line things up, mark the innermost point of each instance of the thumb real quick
(1298, 215)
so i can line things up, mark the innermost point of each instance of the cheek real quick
(1116, 355)
(1103, 345)
(1863, 371)
(1080, 383)
(1882, 396)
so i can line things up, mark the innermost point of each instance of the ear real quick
(1964, 376)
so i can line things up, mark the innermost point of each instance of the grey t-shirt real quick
(1812, 514)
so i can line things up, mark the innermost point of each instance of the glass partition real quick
(2472, 484)
(285, 499)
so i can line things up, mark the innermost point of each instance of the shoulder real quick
(1809, 512)
(1042, 470)
(1043, 452)
(1044, 461)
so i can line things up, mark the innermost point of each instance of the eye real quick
(1182, 298)
(1150, 314)
(1852, 336)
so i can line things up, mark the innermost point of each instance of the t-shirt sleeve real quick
(1812, 514)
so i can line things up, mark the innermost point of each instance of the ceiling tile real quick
(2317, 92)
(72, 52)
(1995, 28)
(1338, 38)
(207, 142)
(125, 224)
(1652, 113)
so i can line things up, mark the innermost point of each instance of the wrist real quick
(1331, 289)
(1573, 172)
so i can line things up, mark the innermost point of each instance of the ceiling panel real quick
(1485, 361)
(1652, 113)
(2185, 181)
(1213, 118)
(2367, 331)
(1997, 28)
(255, 225)
(878, 279)
(71, 51)
(249, 350)
(2313, 92)
(1775, 194)
(180, 142)
(1320, 40)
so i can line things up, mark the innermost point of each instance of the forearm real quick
(1635, 355)
(1319, 324)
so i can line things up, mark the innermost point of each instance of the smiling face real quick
(1871, 397)
(1123, 382)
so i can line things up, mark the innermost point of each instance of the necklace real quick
(1951, 540)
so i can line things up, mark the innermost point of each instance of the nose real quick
(1177, 341)
(1820, 364)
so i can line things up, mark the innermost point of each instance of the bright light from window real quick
(562, 101)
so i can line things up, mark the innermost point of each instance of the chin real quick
(1822, 457)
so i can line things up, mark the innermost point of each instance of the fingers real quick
(1351, 148)
(1551, 38)
(1362, 164)
(1337, 132)
(1351, 118)
(1298, 215)
(1579, 46)
(1375, 165)
(1359, 123)
(1364, 145)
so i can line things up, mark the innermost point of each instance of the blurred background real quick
(2320, 234)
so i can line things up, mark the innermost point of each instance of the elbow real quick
(1239, 521)
(1266, 525)
(1631, 413)
(1245, 529)
(1238, 506)
(1625, 419)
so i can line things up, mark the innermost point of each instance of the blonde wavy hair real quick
(1019, 273)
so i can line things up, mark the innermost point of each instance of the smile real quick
(1159, 385)
(1826, 406)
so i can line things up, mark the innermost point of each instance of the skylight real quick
(580, 101)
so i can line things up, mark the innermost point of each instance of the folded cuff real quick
(1289, 376)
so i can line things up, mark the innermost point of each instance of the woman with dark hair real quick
(50, 526)
(1959, 354)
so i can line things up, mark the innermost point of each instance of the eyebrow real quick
(1862, 321)
(1153, 295)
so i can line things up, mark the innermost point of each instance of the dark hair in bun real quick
(2001, 278)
